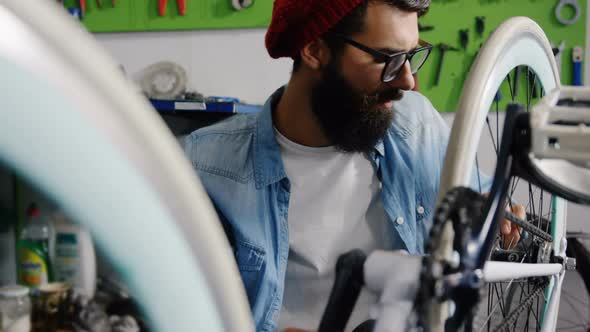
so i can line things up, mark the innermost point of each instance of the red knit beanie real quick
(295, 23)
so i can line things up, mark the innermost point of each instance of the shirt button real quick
(420, 209)
(400, 221)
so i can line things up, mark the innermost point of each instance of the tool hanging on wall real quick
(99, 3)
(422, 28)
(443, 49)
(568, 3)
(83, 8)
(181, 4)
(464, 38)
(473, 58)
(557, 52)
(480, 25)
(241, 4)
(577, 56)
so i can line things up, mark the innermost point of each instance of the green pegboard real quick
(142, 15)
(448, 17)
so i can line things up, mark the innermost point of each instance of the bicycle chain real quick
(443, 214)
(529, 227)
(511, 318)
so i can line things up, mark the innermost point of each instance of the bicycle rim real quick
(517, 43)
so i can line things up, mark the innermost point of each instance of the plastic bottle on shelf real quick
(33, 248)
(75, 260)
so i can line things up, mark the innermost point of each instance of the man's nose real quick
(405, 79)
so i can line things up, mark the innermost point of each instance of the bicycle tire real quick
(519, 41)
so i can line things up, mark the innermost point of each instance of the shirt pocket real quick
(251, 261)
(424, 212)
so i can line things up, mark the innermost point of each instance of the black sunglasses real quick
(394, 63)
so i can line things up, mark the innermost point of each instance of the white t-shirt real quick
(334, 207)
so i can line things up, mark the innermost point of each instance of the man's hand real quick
(511, 232)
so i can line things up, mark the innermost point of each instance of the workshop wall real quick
(235, 63)
(158, 15)
(447, 17)
(218, 62)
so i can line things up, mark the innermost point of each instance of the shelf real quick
(196, 106)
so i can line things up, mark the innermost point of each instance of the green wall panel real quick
(448, 17)
(142, 15)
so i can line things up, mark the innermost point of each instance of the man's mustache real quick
(384, 96)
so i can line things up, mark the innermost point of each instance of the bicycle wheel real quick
(96, 148)
(518, 44)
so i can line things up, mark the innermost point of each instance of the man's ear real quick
(315, 54)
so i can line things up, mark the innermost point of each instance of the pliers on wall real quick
(99, 3)
(180, 3)
(83, 7)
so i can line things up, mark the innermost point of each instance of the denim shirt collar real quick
(268, 163)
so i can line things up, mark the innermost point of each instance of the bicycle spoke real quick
(540, 208)
(510, 84)
(548, 217)
(497, 123)
(521, 297)
(504, 299)
(521, 300)
(502, 310)
(494, 308)
(492, 135)
(513, 188)
(490, 304)
(478, 173)
(536, 314)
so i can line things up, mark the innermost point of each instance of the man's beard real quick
(353, 121)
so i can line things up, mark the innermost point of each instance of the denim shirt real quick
(240, 166)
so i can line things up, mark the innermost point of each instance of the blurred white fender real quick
(395, 276)
(73, 126)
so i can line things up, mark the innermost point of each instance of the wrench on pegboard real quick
(577, 56)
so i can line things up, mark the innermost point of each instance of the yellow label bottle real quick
(33, 264)
(34, 268)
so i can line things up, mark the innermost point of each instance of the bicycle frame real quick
(515, 159)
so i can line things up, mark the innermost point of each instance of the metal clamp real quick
(559, 8)
(569, 263)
